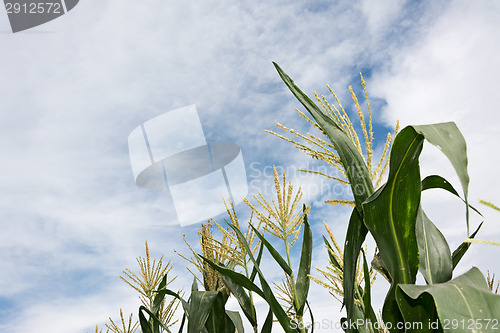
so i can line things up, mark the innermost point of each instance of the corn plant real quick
(386, 203)
(406, 238)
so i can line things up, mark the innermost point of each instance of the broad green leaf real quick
(357, 174)
(420, 315)
(236, 320)
(435, 254)
(216, 321)
(199, 309)
(302, 284)
(435, 181)
(268, 295)
(277, 257)
(448, 138)
(466, 301)
(391, 214)
(462, 248)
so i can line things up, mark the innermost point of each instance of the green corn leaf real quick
(435, 255)
(268, 295)
(236, 320)
(238, 278)
(435, 181)
(268, 323)
(358, 176)
(200, 307)
(243, 299)
(418, 314)
(356, 233)
(259, 257)
(194, 286)
(216, 321)
(391, 213)
(145, 327)
(353, 162)
(462, 248)
(277, 257)
(465, 300)
(302, 284)
(312, 316)
(367, 301)
(448, 138)
(241, 296)
(329, 248)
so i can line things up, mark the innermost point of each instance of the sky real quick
(72, 90)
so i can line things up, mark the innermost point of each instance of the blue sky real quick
(73, 89)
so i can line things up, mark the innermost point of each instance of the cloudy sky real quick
(72, 91)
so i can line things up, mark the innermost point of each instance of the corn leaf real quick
(235, 318)
(359, 179)
(435, 181)
(466, 301)
(302, 284)
(200, 307)
(462, 248)
(435, 255)
(391, 213)
(367, 302)
(268, 295)
(448, 138)
(277, 257)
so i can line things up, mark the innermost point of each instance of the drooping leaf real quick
(277, 257)
(435, 181)
(448, 138)
(391, 213)
(435, 254)
(302, 284)
(465, 300)
(462, 248)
